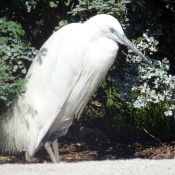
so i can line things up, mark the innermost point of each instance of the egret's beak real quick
(125, 41)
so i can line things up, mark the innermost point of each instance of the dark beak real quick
(125, 41)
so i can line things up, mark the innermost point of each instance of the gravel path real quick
(117, 167)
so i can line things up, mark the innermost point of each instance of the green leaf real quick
(52, 4)
(67, 3)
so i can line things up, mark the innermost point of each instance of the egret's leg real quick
(48, 148)
(27, 157)
(56, 150)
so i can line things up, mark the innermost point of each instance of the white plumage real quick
(62, 78)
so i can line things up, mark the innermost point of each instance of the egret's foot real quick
(56, 150)
(49, 150)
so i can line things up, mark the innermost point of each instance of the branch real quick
(10, 79)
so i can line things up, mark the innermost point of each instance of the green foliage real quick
(10, 86)
(15, 51)
(112, 115)
(85, 9)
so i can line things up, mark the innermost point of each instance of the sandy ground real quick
(109, 167)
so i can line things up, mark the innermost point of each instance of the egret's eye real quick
(112, 30)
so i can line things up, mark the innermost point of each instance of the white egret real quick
(62, 78)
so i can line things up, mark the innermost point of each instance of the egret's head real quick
(110, 27)
(107, 26)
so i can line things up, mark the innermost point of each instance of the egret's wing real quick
(51, 78)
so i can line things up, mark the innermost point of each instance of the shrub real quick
(15, 52)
